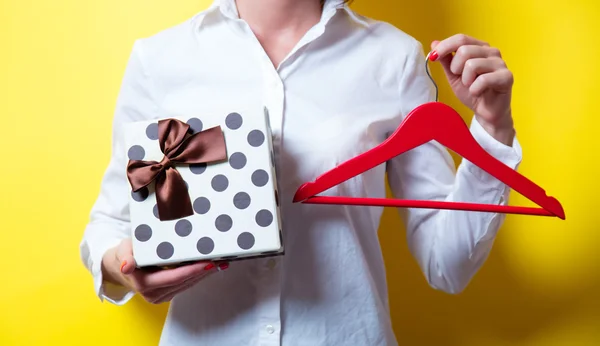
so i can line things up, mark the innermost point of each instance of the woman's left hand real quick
(480, 79)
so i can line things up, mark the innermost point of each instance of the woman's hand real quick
(481, 81)
(156, 286)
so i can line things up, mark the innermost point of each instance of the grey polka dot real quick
(165, 250)
(245, 241)
(201, 205)
(198, 168)
(136, 152)
(143, 233)
(234, 121)
(205, 245)
(220, 183)
(260, 177)
(238, 160)
(152, 131)
(140, 195)
(256, 138)
(195, 125)
(241, 200)
(183, 228)
(264, 218)
(223, 223)
(155, 211)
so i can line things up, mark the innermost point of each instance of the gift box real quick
(203, 187)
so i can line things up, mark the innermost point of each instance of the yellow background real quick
(61, 63)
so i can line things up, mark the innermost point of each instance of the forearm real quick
(452, 245)
(109, 222)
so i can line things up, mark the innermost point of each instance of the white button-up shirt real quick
(343, 89)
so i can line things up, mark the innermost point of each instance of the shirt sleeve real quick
(450, 246)
(109, 217)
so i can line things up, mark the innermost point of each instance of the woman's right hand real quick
(157, 285)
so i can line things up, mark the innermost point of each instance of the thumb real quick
(445, 60)
(125, 257)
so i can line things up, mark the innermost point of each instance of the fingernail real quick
(209, 266)
(433, 56)
(123, 264)
(223, 266)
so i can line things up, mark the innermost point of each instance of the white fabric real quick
(344, 88)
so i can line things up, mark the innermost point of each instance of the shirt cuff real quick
(112, 293)
(509, 155)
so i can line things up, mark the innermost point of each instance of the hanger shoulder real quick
(454, 134)
(412, 132)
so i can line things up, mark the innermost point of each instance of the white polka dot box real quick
(233, 203)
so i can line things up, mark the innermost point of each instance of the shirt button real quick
(270, 329)
(271, 263)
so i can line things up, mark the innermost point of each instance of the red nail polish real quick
(209, 266)
(224, 266)
(433, 56)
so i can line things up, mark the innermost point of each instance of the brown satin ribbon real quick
(172, 196)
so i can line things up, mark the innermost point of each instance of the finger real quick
(169, 277)
(479, 66)
(155, 295)
(124, 255)
(159, 295)
(444, 61)
(499, 80)
(168, 294)
(451, 44)
(172, 292)
(465, 53)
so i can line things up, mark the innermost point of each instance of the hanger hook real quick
(430, 77)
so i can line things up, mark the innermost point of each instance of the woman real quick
(335, 84)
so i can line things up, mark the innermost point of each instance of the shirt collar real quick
(228, 9)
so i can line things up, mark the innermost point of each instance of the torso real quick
(334, 98)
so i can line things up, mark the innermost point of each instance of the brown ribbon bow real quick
(172, 196)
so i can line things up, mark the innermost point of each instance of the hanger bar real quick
(402, 203)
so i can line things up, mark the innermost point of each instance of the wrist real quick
(111, 268)
(503, 131)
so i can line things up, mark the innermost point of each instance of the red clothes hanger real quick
(439, 122)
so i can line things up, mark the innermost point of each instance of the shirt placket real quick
(269, 271)
(269, 296)
(269, 290)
